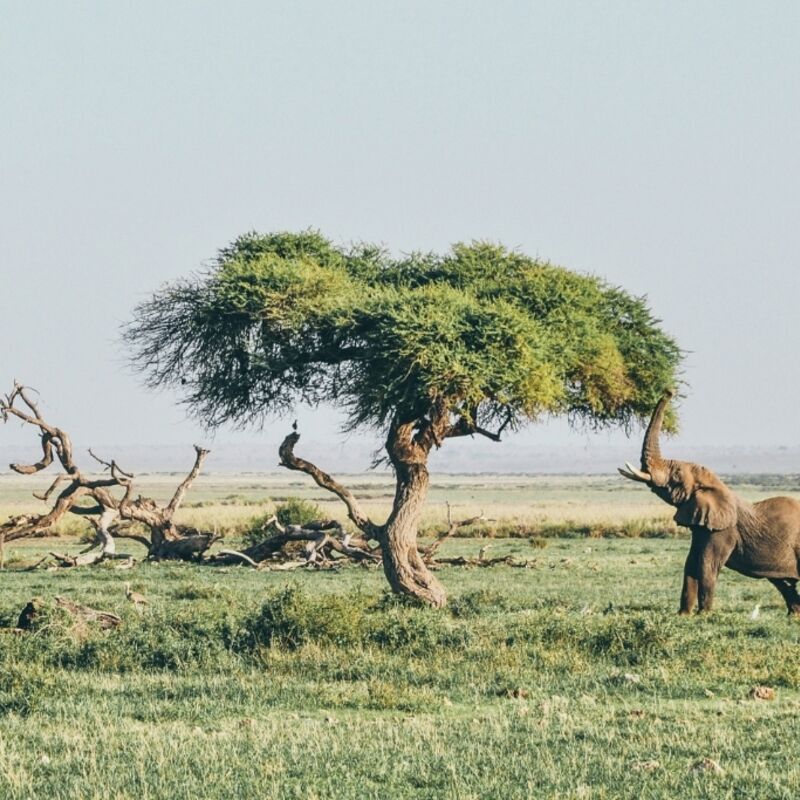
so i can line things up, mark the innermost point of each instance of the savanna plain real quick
(570, 677)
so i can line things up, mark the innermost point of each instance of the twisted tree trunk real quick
(408, 444)
(405, 570)
(403, 565)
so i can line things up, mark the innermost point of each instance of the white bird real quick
(756, 612)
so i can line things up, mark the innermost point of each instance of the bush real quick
(291, 618)
(477, 602)
(296, 511)
(293, 511)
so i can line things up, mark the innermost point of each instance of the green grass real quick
(573, 678)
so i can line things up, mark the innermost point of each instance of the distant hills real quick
(355, 455)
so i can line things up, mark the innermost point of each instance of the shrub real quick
(296, 511)
(477, 602)
(292, 511)
(291, 618)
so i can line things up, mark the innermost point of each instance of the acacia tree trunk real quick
(405, 569)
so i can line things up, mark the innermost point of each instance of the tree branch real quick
(45, 461)
(466, 426)
(322, 479)
(51, 436)
(117, 473)
(180, 492)
(53, 486)
(452, 527)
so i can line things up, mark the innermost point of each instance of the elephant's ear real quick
(711, 505)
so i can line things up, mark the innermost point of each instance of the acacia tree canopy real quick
(425, 347)
(491, 336)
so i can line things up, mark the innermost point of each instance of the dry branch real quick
(167, 540)
(429, 552)
(318, 551)
(325, 481)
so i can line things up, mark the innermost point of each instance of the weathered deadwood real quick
(52, 439)
(186, 483)
(167, 540)
(286, 566)
(33, 567)
(319, 545)
(80, 560)
(81, 614)
(428, 553)
(289, 460)
(51, 436)
(189, 547)
(463, 561)
(237, 555)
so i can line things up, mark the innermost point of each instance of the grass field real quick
(571, 679)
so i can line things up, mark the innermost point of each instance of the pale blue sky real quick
(653, 143)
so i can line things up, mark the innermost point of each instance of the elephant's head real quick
(699, 495)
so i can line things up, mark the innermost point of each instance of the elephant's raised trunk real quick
(652, 460)
(655, 469)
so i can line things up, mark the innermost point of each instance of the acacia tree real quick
(423, 348)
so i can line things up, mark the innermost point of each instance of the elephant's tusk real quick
(630, 472)
(642, 476)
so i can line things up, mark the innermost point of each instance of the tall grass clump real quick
(290, 618)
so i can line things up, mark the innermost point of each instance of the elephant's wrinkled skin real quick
(760, 540)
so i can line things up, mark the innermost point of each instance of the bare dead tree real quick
(167, 539)
(110, 514)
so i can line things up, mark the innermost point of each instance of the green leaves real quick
(481, 332)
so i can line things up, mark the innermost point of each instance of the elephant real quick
(760, 540)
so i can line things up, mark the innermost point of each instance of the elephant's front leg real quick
(707, 555)
(707, 585)
(713, 558)
(689, 592)
(691, 575)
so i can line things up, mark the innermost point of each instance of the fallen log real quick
(465, 561)
(318, 552)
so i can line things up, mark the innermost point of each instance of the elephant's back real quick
(770, 539)
(779, 508)
(779, 523)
